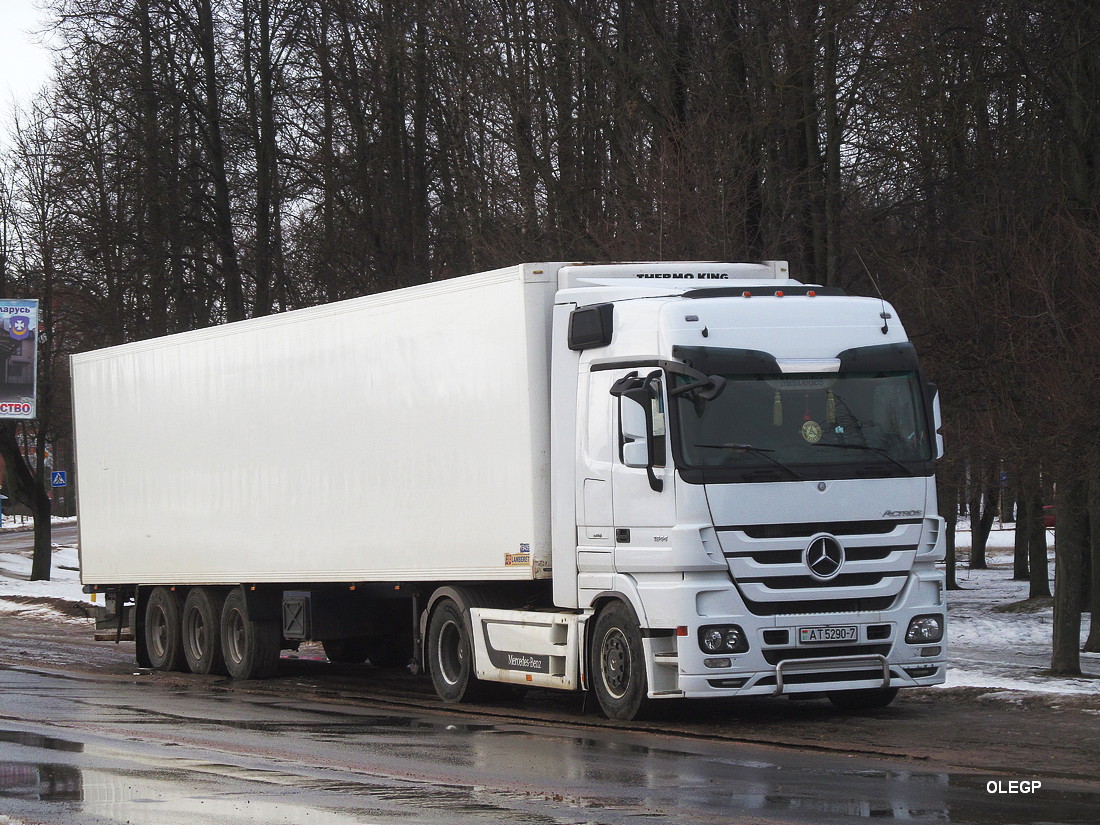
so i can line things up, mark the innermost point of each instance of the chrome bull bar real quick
(829, 663)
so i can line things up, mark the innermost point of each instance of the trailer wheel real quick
(451, 654)
(202, 643)
(857, 700)
(618, 666)
(163, 640)
(251, 648)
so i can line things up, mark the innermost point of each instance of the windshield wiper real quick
(868, 448)
(760, 451)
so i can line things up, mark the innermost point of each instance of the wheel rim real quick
(234, 636)
(451, 653)
(615, 663)
(158, 632)
(194, 630)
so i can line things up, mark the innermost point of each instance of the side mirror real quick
(636, 421)
(937, 421)
(635, 428)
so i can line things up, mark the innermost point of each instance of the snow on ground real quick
(15, 570)
(993, 641)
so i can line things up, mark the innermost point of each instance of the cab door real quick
(643, 493)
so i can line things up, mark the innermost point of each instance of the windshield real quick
(807, 426)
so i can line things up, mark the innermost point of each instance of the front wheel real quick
(618, 665)
(250, 647)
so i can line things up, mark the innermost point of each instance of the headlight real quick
(925, 629)
(723, 638)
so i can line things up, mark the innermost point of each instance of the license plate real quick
(816, 635)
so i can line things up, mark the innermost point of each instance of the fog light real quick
(717, 663)
(921, 672)
(924, 629)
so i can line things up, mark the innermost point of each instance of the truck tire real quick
(451, 654)
(857, 700)
(250, 648)
(202, 641)
(163, 640)
(618, 663)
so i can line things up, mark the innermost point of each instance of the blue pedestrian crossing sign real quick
(59, 478)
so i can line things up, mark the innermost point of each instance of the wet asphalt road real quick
(89, 750)
(20, 541)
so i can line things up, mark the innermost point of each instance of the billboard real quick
(18, 357)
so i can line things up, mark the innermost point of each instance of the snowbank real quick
(19, 594)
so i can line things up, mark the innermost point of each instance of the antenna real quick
(884, 315)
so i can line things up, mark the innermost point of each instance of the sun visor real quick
(727, 361)
(900, 357)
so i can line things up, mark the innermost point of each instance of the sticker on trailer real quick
(520, 559)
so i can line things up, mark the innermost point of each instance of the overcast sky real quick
(24, 63)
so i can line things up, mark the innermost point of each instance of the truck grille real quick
(768, 565)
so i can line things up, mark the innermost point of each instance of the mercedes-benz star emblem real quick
(824, 557)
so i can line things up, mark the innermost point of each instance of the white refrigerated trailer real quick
(647, 480)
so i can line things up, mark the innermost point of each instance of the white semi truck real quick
(647, 481)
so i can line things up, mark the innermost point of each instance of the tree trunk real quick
(30, 490)
(974, 512)
(1071, 543)
(952, 521)
(1038, 565)
(217, 159)
(1020, 569)
(949, 509)
(1092, 644)
(980, 531)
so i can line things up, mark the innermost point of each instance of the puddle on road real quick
(229, 795)
(187, 790)
(555, 778)
(35, 740)
(40, 782)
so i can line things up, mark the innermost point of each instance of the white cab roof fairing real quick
(790, 327)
